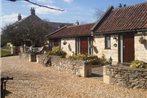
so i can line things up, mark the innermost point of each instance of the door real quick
(84, 45)
(128, 47)
(57, 42)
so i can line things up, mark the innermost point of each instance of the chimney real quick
(32, 11)
(125, 5)
(120, 5)
(19, 17)
(77, 22)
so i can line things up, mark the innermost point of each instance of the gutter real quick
(121, 31)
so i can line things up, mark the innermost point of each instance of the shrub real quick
(58, 52)
(93, 60)
(104, 61)
(138, 64)
(78, 56)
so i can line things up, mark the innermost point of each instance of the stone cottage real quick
(73, 39)
(121, 34)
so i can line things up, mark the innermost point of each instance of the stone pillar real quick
(32, 57)
(85, 70)
(106, 76)
(12, 50)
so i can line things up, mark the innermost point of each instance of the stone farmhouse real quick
(34, 19)
(121, 33)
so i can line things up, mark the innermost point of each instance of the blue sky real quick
(82, 10)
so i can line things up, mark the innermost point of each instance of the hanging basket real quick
(64, 43)
(142, 40)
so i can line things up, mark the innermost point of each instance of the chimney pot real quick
(19, 17)
(32, 11)
(77, 23)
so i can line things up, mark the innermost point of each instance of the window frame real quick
(107, 42)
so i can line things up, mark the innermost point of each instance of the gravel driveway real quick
(32, 80)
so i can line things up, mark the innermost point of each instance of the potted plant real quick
(142, 40)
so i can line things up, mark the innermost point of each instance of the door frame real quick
(78, 45)
(121, 47)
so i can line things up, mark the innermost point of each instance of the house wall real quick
(140, 49)
(99, 43)
(70, 47)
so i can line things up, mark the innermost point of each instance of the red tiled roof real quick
(126, 18)
(72, 31)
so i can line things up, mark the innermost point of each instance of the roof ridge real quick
(80, 25)
(130, 6)
(56, 31)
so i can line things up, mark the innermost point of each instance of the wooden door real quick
(84, 45)
(57, 42)
(128, 48)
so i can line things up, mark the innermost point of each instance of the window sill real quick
(107, 48)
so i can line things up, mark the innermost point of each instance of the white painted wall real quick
(70, 47)
(99, 42)
(140, 49)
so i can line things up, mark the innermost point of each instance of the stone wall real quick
(76, 67)
(69, 47)
(99, 43)
(24, 56)
(124, 76)
(28, 56)
(140, 49)
(40, 58)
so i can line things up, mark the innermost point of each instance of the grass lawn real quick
(5, 52)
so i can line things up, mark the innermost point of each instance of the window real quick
(107, 42)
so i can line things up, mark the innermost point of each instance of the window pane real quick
(107, 42)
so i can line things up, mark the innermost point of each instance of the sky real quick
(83, 11)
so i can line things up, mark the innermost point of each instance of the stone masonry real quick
(124, 76)
(76, 67)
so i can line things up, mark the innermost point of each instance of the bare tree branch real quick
(39, 5)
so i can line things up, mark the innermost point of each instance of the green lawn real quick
(5, 52)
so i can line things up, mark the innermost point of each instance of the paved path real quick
(32, 80)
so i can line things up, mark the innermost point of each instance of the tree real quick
(99, 13)
(29, 33)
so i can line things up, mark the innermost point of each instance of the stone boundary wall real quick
(76, 67)
(125, 76)
(28, 56)
(40, 58)
(24, 56)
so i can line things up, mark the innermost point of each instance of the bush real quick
(138, 64)
(78, 56)
(104, 61)
(58, 52)
(91, 59)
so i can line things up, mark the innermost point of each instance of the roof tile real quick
(126, 18)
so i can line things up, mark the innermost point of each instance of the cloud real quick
(8, 19)
(68, 1)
